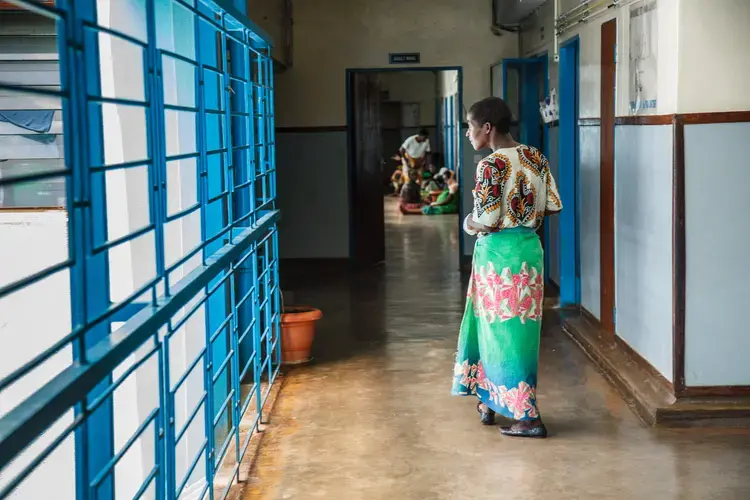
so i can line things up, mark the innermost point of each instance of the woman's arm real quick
(480, 228)
(472, 227)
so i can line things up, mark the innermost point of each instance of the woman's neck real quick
(502, 141)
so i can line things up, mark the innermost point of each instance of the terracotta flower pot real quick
(297, 333)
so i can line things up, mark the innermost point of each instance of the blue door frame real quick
(350, 139)
(569, 179)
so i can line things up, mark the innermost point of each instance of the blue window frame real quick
(167, 157)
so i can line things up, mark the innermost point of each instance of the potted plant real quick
(297, 333)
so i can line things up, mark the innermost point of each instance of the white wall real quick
(590, 231)
(643, 156)
(313, 93)
(717, 268)
(445, 32)
(534, 41)
(714, 66)
(695, 41)
(643, 242)
(413, 87)
(269, 15)
(714, 41)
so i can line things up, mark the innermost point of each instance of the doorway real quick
(385, 106)
(607, 210)
(524, 83)
(568, 173)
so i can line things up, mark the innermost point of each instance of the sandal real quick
(486, 417)
(538, 431)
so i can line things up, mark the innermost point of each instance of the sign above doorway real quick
(405, 58)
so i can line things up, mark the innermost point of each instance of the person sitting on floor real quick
(397, 180)
(447, 202)
(411, 195)
(433, 183)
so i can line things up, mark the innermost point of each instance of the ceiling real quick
(512, 12)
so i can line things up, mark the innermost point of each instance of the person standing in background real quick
(412, 153)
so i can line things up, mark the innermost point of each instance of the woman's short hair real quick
(494, 111)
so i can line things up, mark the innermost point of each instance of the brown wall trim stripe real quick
(687, 118)
(678, 255)
(589, 122)
(310, 130)
(727, 117)
(644, 120)
(731, 391)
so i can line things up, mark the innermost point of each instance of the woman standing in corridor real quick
(498, 345)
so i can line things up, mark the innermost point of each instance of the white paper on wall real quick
(643, 57)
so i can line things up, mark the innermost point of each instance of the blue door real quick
(568, 177)
(524, 85)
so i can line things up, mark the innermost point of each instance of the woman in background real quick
(447, 201)
(411, 195)
(498, 344)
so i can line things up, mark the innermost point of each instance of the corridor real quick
(373, 418)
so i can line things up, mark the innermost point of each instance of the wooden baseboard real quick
(649, 394)
(732, 391)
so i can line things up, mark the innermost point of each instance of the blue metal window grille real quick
(450, 138)
(446, 133)
(163, 188)
(452, 133)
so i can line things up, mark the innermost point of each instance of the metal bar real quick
(92, 405)
(183, 213)
(144, 487)
(40, 458)
(188, 371)
(33, 278)
(33, 90)
(200, 406)
(106, 471)
(190, 470)
(123, 239)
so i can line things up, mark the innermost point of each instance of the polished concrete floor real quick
(373, 418)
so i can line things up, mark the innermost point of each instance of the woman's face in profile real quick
(477, 135)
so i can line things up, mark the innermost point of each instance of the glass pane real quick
(124, 133)
(213, 90)
(513, 92)
(179, 82)
(121, 68)
(182, 185)
(175, 28)
(127, 201)
(125, 16)
(181, 132)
